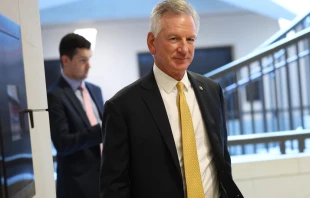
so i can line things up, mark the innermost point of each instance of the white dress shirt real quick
(169, 94)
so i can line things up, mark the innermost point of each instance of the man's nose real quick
(183, 48)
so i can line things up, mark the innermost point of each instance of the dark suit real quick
(139, 154)
(76, 141)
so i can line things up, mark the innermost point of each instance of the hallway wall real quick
(115, 60)
(285, 176)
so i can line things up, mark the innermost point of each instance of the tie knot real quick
(82, 87)
(180, 86)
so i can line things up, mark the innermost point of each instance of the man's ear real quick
(65, 59)
(150, 43)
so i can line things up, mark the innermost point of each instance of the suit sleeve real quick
(67, 142)
(114, 175)
(226, 152)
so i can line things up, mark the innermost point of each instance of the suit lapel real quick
(205, 102)
(153, 100)
(74, 100)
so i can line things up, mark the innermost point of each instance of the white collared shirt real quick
(169, 94)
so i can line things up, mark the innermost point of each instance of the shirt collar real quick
(74, 84)
(168, 83)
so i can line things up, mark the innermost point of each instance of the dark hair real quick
(69, 44)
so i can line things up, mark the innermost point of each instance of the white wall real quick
(284, 176)
(26, 14)
(118, 42)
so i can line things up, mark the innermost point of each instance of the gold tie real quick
(191, 164)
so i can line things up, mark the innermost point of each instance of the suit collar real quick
(74, 84)
(152, 97)
(203, 96)
(97, 98)
(206, 102)
(73, 99)
(207, 105)
(153, 100)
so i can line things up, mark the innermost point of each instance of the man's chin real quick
(182, 67)
(82, 78)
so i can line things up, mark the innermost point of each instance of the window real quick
(205, 60)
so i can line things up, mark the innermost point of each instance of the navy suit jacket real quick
(139, 155)
(76, 141)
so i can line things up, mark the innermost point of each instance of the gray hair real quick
(174, 6)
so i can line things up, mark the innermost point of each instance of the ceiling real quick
(69, 11)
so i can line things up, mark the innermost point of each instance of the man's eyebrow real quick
(172, 34)
(84, 56)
